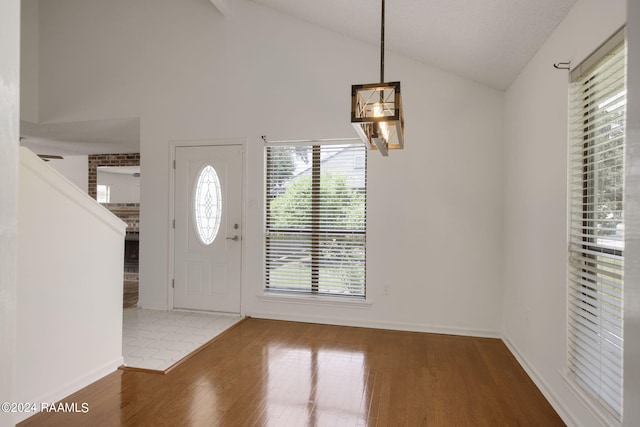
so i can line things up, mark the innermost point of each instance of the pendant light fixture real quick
(376, 110)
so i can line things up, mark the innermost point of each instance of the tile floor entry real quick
(156, 340)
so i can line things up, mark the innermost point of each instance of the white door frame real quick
(240, 142)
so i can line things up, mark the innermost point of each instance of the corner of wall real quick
(9, 135)
(563, 411)
(535, 206)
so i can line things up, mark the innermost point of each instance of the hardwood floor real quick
(271, 373)
(130, 295)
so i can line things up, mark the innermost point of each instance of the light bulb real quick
(378, 111)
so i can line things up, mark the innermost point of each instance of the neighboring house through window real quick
(315, 225)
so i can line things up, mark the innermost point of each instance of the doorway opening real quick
(114, 181)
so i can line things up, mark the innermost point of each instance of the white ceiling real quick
(81, 138)
(488, 41)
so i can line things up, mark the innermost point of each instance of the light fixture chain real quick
(382, 45)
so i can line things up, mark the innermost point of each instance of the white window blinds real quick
(596, 251)
(315, 225)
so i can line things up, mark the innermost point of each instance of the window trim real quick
(298, 298)
(315, 232)
(600, 52)
(593, 278)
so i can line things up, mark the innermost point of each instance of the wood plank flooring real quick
(272, 373)
(130, 293)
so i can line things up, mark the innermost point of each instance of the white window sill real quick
(595, 408)
(334, 301)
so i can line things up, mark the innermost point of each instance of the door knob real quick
(234, 238)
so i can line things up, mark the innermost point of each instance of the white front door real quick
(208, 229)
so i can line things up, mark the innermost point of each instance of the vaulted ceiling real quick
(488, 41)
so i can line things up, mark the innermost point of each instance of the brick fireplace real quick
(127, 212)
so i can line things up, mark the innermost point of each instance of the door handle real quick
(234, 238)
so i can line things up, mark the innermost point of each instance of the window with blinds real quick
(315, 225)
(596, 247)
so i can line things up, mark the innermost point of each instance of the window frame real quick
(594, 265)
(315, 232)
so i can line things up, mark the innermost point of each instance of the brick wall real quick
(128, 212)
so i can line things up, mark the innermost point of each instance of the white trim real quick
(216, 313)
(72, 387)
(597, 367)
(241, 142)
(600, 52)
(393, 326)
(324, 300)
(156, 307)
(567, 416)
(327, 141)
(282, 246)
(594, 408)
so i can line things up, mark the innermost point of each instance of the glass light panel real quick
(207, 205)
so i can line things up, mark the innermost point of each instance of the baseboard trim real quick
(68, 389)
(152, 307)
(394, 326)
(564, 413)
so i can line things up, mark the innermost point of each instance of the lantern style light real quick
(376, 110)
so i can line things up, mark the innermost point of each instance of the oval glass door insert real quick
(207, 205)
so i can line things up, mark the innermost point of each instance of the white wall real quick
(9, 133)
(68, 328)
(75, 169)
(29, 70)
(535, 233)
(434, 224)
